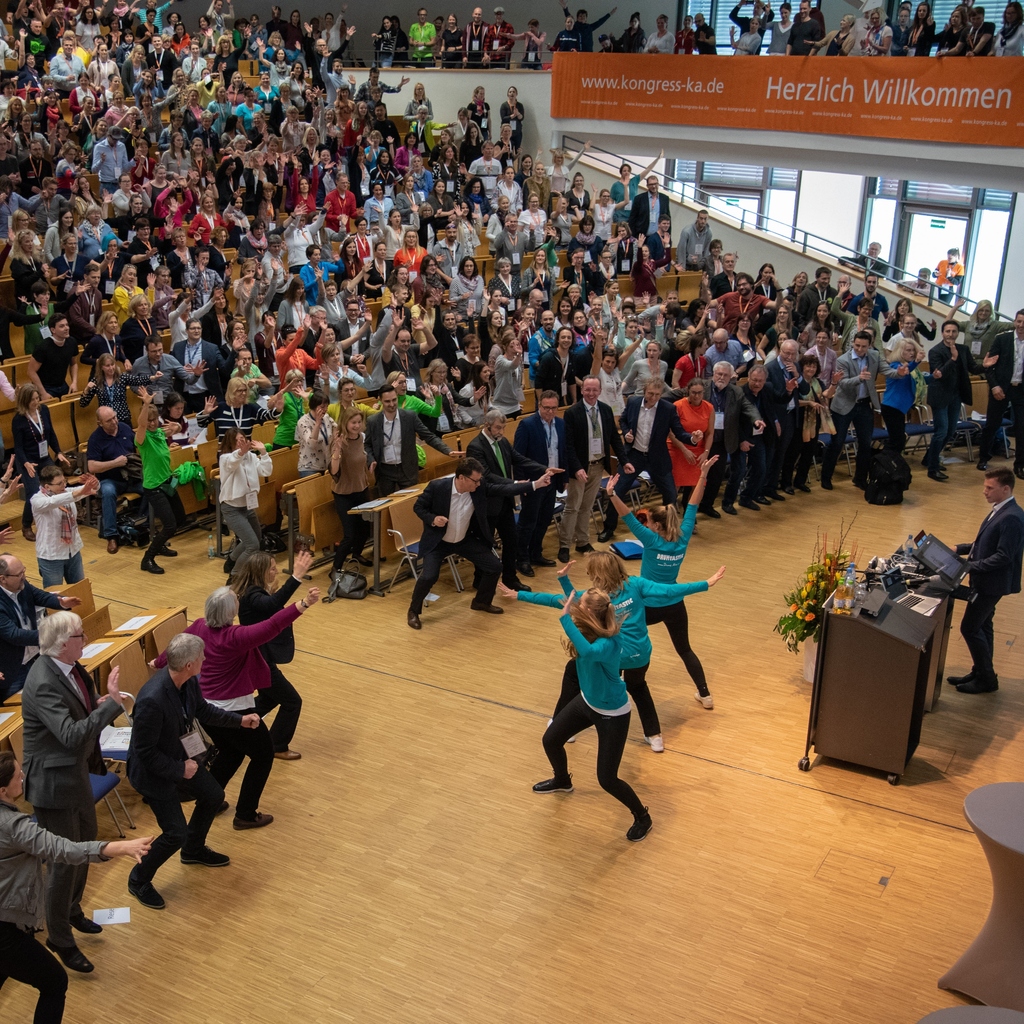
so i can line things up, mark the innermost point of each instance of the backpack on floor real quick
(889, 477)
(131, 531)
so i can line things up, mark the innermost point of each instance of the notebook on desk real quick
(896, 590)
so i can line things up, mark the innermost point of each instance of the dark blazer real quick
(999, 375)
(720, 284)
(954, 385)
(411, 426)
(61, 737)
(765, 406)
(665, 419)
(776, 387)
(737, 407)
(577, 445)
(532, 442)
(808, 301)
(517, 465)
(25, 445)
(257, 605)
(548, 375)
(640, 213)
(995, 556)
(156, 758)
(210, 355)
(436, 500)
(14, 638)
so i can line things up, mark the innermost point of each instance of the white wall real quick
(1011, 295)
(829, 205)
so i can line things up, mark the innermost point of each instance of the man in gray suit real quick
(856, 402)
(63, 718)
(391, 444)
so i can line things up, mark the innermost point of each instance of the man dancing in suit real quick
(994, 562)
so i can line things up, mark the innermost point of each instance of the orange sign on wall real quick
(929, 99)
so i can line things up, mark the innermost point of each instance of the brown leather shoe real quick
(112, 546)
(287, 755)
(28, 533)
(239, 824)
(414, 621)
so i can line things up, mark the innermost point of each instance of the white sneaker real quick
(708, 701)
(571, 739)
(657, 744)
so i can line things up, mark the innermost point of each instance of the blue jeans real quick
(945, 419)
(109, 490)
(56, 571)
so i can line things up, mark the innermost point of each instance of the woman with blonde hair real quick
(839, 42)
(34, 439)
(26, 260)
(980, 329)
(110, 385)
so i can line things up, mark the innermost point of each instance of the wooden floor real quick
(412, 876)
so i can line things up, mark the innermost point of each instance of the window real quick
(938, 194)
(743, 175)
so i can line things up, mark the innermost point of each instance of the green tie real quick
(501, 461)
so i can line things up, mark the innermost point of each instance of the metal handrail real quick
(762, 223)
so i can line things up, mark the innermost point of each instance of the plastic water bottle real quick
(210, 550)
(908, 548)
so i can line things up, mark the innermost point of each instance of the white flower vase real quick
(810, 657)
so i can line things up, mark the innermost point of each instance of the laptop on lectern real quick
(940, 560)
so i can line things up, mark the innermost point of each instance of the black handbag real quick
(348, 584)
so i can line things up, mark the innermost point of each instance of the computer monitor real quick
(940, 560)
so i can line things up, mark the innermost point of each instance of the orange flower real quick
(793, 607)
(809, 617)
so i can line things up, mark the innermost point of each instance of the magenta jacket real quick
(233, 666)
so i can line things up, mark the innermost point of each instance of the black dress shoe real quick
(788, 490)
(762, 500)
(1018, 472)
(166, 552)
(364, 561)
(604, 536)
(84, 925)
(517, 585)
(414, 621)
(546, 563)
(148, 565)
(978, 686)
(72, 958)
(803, 487)
(750, 503)
(826, 485)
(146, 894)
(563, 555)
(960, 680)
(493, 609)
(860, 486)
(524, 569)
(982, 465)
(730, 510)
(937, 474)
(584, 549)
(711, 512)
(774, 495)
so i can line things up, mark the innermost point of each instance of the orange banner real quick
(930, 99)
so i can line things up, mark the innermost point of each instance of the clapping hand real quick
(714, 579)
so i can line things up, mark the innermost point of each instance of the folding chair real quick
(407, 528)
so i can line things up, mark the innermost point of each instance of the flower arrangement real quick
(806, 602)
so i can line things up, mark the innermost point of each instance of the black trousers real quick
(678, 625)
(862, 417)
(169, 513)
(896, 428)
(717, 473)
(356, 528)
(780, 470)
(175, 835)
(535, 515)
(661, 477)
(612, 731)
(487, 566)
(636, 687)
(976, 629)
(993, 421)
(806, 450)
(233, 747)
(26, 960)
(65, 883)
(195, 401)
(282, 695)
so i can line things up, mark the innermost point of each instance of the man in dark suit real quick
(19, 636)
(502, 466)
(63, 719)
(591, 438)
(193, 354)
(749, 464)
(454, 514)
(165, 757)
(785, 386)
(951, 365)
(540, 438)
(391, 444)
(731, 406)
(646, 424)
(647, 209)
(994, 562)
(1006, 387)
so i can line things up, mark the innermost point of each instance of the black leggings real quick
(169, 512)
(612, 731)
(677, 624)
(636, 687)
(24, 959)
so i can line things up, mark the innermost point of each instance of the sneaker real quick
(146, 894)
(207, 857)
(554, 786)
(656, 743)
(640, 827)
(707, 700)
